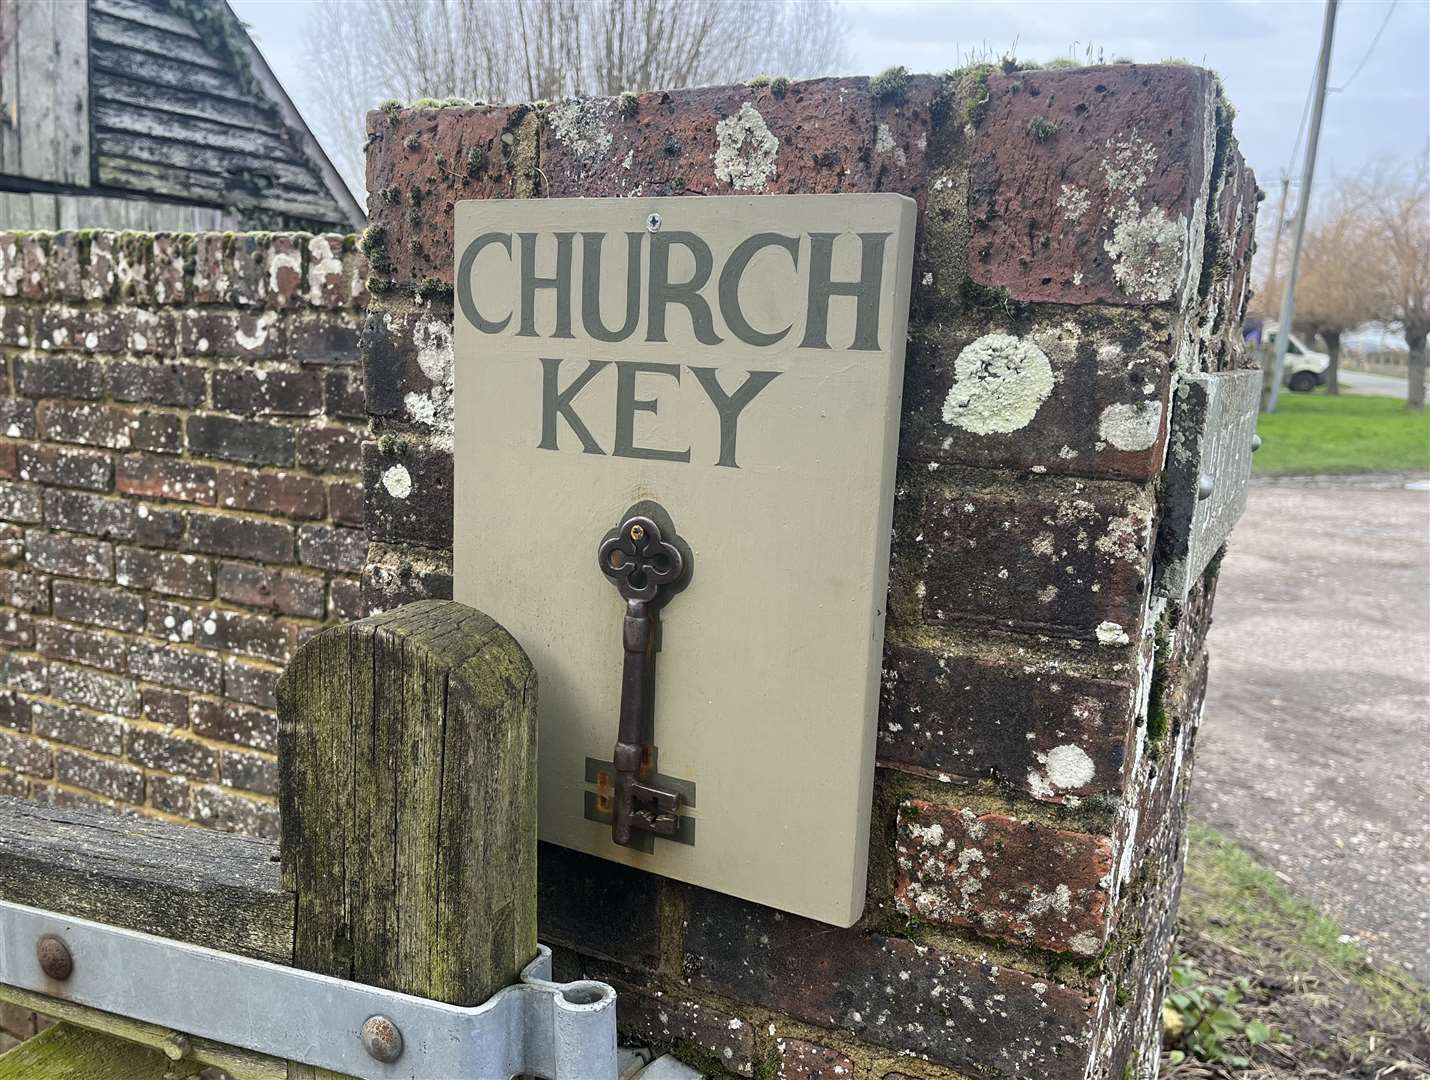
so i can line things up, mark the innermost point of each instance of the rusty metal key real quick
(645, 568)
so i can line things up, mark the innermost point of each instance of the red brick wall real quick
(1040, 704)
(181, 422)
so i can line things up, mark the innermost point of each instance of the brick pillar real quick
(1084, 238)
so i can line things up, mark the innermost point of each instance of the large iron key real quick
(645, 568)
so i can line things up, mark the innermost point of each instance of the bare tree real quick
(360, 52)
(1337, 288)
(1399, 200)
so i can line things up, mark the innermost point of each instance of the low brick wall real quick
(181, 428)
(1084, 239)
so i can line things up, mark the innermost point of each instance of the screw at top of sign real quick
(1205, 486)
(653, 222)
(637, 532)
(1255, 443)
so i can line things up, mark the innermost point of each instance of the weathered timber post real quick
(407, 747)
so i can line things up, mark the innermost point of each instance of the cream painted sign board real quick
(737, 361)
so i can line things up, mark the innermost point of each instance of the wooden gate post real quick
(407, 751)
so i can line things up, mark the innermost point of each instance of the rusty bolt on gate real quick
(382, 1039)
(54, 956)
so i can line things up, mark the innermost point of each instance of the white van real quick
(1305, 368)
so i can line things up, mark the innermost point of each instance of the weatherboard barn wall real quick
(181, 424)
(1084, 239)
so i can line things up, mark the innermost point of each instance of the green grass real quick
(1350, 433)
(1234, 900)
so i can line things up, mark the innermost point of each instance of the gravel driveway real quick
(1315, 748)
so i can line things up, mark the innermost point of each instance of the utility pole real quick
(1280, 225)
(1288, 301)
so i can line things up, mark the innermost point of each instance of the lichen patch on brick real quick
(1131, 426)
(1065, 768)
(397, 481)
(435, 408)
(581, 125)
(745, 150)
(999, 383)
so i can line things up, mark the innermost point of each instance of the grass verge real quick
(1336, 1014)
(1350, 433)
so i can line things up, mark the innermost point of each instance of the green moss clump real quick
(1060, 63)
(392, 107)
(1041, 128)
(429, 289)
(628, 105)
(427, 103)
(973, 82)
(476, 161)
(779, 86)
(391, 195)
(891, 84)
(758, 82)
(412, 140)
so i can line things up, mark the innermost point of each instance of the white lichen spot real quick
(1085, 943)
(1146, 252)
(745, 150)
(1073, 201)
(1131, 427)
(398, 481)
(1064, 767)
(322, 265)
(251, 341)
(435, 408)
(580, 124)
(1111, 633)
(884, 144)
(285, 260)
(999, 383)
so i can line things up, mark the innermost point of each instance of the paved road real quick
(1315, 747)
(1363, 382)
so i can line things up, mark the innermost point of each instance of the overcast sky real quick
(1265, 51)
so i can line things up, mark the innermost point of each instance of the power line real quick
(1373, 43)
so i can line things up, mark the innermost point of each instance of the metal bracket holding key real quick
(647, 568)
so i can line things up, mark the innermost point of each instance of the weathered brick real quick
(178, 384)
(1047, 555)
(113, 609)
(598, 907)
(326, 285)
(232, 334)
(1099, 217)
(252, 442)
(241, 537)
(409, 492)
(70, 556)
(28, 592)
(345, 599)
(14, 711)
(246, 261)
(21, 503)
(222, 809)
(800, 1059)
(1007, 878)
(182, 669)
(76, 727)
(268, 393)
(64, 799)
(113, 779)
(330, 450)
(158, 527)
(346, 502)
(284, 591)
(20, 672)
(169, 621)
(16, 786)
(289, 495)
(9, 461)
(99, 329)
(172, 753)
(283, 278)
(251, 772)
(259, 636)
(395, 576)
(12, 545)
(165, 478)
(210, 271)
(116, 427)
(163, 572)
(230, 722)
(662, 1019)
(170, 794)
(343, 396)
(408, 366)
(40, 376)
(150, 333)
(25, 755)
(164, 706)
(251, 684)
(17, 418)
(959, 1011)
(15, 325)
(93, 648)
(936, 700)
(167, 279)
(16, 630)
(85, 512)
(329, 338)
(95, 690)
(328, 548)
(63, 466)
